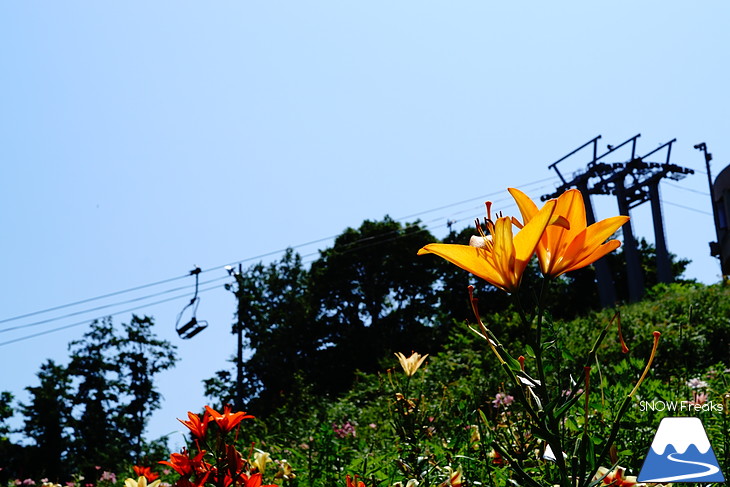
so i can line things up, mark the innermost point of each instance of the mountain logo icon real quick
(681, 452)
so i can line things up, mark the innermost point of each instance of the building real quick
(721, 197)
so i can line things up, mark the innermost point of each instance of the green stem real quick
(547, 422)
(611, 437)
(538, 351)
(515, 466)
(553, 423)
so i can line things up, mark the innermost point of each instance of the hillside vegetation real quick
(390, 427)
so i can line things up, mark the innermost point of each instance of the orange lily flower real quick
(197, 426)
(180, 463)
(255, 480)
(354, 483)
(502, 259)
(615, 478)
(564, 249)
(186, 466)
(228, 420)
(455, 478)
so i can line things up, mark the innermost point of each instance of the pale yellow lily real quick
(411, 364)
(565, 248)
(260, 459)
(141, 482)
(503, 257)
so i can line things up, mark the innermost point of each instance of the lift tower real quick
(633, 182)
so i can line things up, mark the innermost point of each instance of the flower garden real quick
(511, 399)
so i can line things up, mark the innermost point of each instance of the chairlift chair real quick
(193, 326)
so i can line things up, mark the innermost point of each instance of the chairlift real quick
(193, 326)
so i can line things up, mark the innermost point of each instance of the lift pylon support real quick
(632, 183)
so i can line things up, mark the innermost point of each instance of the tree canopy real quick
(91, 413)
(308, 330)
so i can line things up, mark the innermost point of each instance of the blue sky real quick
(140, 139)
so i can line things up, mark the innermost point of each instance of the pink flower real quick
(109, 477)
(700, 398)
(502, 400)
(567, 392)
(696, 383)
(344, 430)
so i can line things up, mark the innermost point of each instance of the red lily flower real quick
(145, 472)
(235, 466)
(255, 481)
(197, 426)
(186, 466)
(180, 463)
(185, 482)
(228, 420)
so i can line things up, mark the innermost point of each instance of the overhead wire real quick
(106, 306)
(351, 247)
(448, 221)
(686, 207)
(357, 247)
(703, 193)
(396, 234)
(168, 291)
(552, 178)
(96, 298)
(86, 322)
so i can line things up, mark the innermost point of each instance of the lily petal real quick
(567, 247)
(470, 259)
(601, 251)
(504, 260)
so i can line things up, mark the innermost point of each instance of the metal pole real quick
(663, 263)
(554, 165)
(239, 332)
(604, 276)
(634, 273)
(714, 246)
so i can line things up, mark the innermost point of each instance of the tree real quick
(93, 371)
(363, 299)
(374, 296)
(14, 457)
(140, 357)
(114, 393)
(647, 254)
(6, 412)
(47, 418)
(275, 313)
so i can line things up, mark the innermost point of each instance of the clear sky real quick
(139, 139)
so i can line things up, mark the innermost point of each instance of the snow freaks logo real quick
(680, 452)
